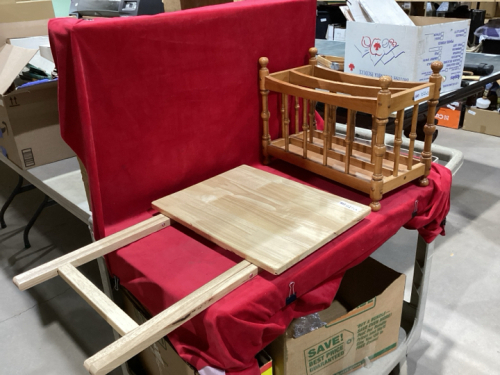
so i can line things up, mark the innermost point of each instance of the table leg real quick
(47, 202)
(17, 190)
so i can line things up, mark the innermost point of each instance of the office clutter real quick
(484, 116)
(29, 120)
(366, 166)
(360, 326)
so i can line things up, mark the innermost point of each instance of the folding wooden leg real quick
(93, 251)
(162, 324)
(106, 308)
(135, 338)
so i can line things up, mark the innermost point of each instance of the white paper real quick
(329, 32)
(34, 43)
(349, 206)
(357, 13)
(472, 112)
(421, 94)
(385, 11)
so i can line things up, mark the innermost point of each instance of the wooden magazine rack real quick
(366, 166)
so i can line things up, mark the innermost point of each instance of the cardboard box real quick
(161, 358)
(19, 11)
(449, 116)
(363, 321)
(29, 119)
(490, 9)
(482, 121)
(407, 52)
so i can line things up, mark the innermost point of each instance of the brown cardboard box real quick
(482, 121)
(490, 9)
(29, 120)
(161, 358)
(449, 116)
(19, 11)
(363, 321)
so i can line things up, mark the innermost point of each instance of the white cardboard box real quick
(407, 52)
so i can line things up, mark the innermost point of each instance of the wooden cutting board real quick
(266, 219)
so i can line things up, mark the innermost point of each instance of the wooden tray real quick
(266, 219)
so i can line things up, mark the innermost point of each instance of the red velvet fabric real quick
(155, 104)
(168, 265)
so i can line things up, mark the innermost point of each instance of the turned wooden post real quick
(430, 128)
(297, 108)
(305, 127)
(374, 138)
(312, 118)
(333, 123)
(349, 137)
(413, 136)
(266, 139)
(326, 135)
(398, 134)
(286, 123)
(383, 111)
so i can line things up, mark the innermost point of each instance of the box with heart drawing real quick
(406, 52)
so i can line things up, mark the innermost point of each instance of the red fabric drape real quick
(155, 104)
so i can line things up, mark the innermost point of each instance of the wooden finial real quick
(263, 61)
(436, 67)
(385, 82)
(313, 52)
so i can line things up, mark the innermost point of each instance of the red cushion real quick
(168, 265)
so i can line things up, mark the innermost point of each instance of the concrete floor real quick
(50, 330)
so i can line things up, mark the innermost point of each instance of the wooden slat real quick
(392, 182)
(362, 104)
(306, 69)
(332, 154)
(357, 79)
(389, 155)
(266, 219)
(90, 252)
(116, 317)
(162, 324)
(318, 168)
(405, 99)
(301, 79)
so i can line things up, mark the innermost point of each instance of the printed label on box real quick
(328, 351)
(28, 158)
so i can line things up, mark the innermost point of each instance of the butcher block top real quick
(266, 219)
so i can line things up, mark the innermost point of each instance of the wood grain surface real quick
(266, 219)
